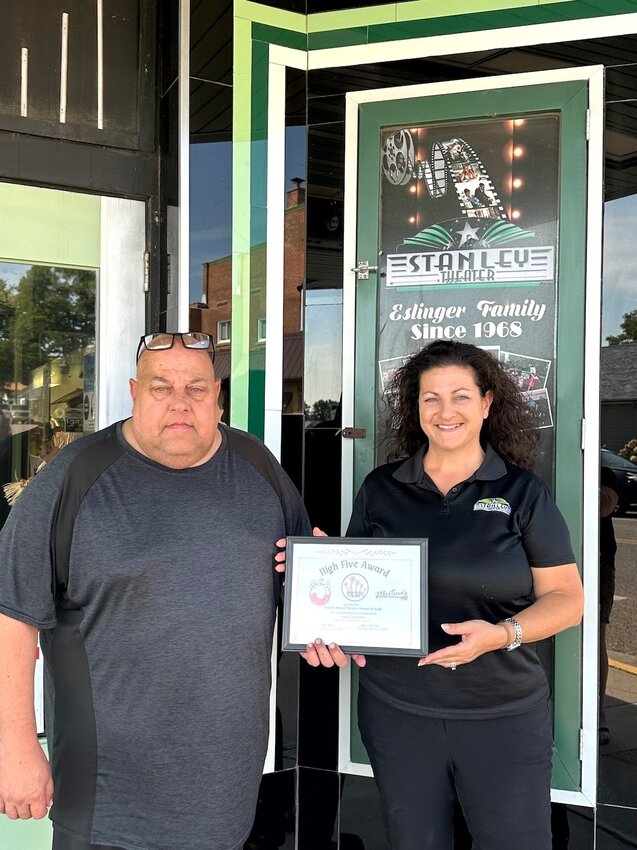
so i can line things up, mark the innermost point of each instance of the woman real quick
(471, 718)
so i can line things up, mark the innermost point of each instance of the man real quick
(144, 556)
(481, 196)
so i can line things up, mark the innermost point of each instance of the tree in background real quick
(629, 330)
(7, 313)
(629, 451)
(322, 410)
(49, 315)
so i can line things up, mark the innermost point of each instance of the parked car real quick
(626, 475)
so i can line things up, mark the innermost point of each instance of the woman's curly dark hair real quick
(510, 427)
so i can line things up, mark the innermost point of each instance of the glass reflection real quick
(323, 345)
(323, 329)
(618, 532)
(210, 253)
(620, 292)
(609, 826)
(210, 212)
(47, 368)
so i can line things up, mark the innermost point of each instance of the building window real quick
(261, 330)
(223, 331)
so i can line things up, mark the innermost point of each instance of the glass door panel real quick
(471, 215)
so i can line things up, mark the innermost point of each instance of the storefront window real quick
(211, 228)
(614, 819)
(47, 368)
(617, 793)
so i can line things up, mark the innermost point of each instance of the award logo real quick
(355, 587)
(320, 591)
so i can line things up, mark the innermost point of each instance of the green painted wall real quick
(48, 227)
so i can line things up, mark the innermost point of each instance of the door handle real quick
(363, 269)
(353, 433)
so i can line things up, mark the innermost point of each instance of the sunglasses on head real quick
(161, 341)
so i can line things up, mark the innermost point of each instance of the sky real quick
(211, 199)
(12, 272)
(620, 284)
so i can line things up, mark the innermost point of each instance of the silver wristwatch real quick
(517, 628)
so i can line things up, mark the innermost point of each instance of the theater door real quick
(473, 212)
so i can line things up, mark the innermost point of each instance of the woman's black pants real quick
(500, 771)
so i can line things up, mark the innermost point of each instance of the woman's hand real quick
(320, 654)
(558, 605)
(476, 638)
(280, 556)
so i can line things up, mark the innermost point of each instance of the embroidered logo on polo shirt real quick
(500, 506)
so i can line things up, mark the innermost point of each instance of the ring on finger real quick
(452, 665)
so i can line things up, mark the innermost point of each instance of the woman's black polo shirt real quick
(484, 537)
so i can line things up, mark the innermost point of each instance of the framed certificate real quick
(368, 595)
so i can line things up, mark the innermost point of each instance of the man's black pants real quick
(62, 841)
(499, 769)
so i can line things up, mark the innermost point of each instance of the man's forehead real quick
(168, 377)
(176, 352)
(175, 361)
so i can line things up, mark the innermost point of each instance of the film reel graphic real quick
(452, 162)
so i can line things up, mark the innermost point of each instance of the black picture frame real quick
(355, 569)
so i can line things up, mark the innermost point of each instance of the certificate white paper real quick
(367, 595)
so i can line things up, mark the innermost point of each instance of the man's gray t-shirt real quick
(159, 650)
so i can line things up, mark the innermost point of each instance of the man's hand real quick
(318, 653)
(280, 556)
(26, 787)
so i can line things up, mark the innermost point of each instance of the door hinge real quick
(588, 124)
(146, 271)
(354, 433)
(363, 269)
